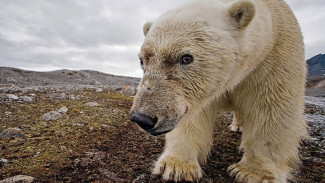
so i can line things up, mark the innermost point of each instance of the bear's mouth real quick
(158, 131)
(163, 126)
(154, 126)
(166, 125)
(162, 129)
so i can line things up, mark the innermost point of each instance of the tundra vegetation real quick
(100, 144)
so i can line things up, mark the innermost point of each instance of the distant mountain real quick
(316, 65)
(21, 77)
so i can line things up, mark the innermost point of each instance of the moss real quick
(50, 146)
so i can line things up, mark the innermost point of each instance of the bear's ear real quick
(146, 27)
(242, 12)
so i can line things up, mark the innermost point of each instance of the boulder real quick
(59, 95)
(99, 90)
(26, 98)
(63, 110)
(3, 162)
(12, 132)
(92, 104)
(52, 115)
(12, 96)
(18, 179)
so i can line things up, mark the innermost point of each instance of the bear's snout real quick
(144, 121)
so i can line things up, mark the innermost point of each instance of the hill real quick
(316, 65)
(13, 78)
(25, 78)
(316, 76)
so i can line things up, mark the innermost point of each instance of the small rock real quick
(12, 96)
(92, 82)
(52, 115)
(72, 97)
(128, 90)
(60, 96)
(3, 162)
(78, 124)
(63, 110)
(92, 104)
(32, 95)
(11, 132)
(98, 83)
(26, 98)
(111, 176)
(7, 113)
(140, 178)
(99, 90)
(18, 179)
(108, 127)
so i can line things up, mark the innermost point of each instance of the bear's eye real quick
(186, 59)
(141, 62)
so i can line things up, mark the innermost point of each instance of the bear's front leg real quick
(187, 146)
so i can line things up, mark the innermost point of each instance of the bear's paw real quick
(174, 169)
(249, 174)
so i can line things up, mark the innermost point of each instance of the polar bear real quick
(206, 56)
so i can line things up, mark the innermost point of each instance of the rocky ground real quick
(83, 134)
(315, 86)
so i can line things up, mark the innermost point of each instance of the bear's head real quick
(188, 57)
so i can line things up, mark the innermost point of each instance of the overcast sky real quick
(103, 35)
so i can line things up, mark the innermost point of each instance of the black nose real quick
(144, 121)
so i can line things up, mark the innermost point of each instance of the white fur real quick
(254, 68)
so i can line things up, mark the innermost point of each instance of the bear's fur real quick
(247, 57)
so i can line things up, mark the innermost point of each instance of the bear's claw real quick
(235, 128)
(173, 169)
(250, 175)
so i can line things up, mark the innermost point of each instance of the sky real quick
(104, 35)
